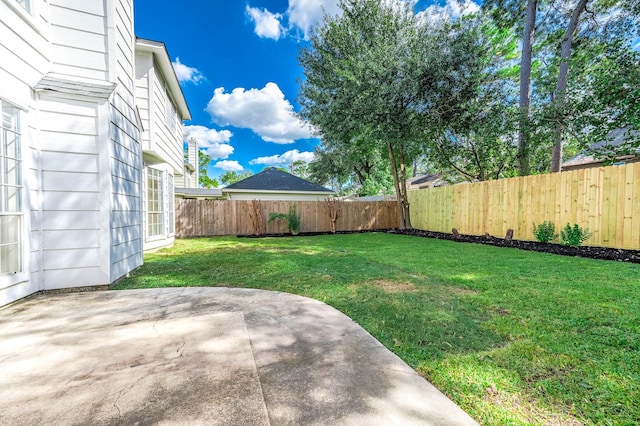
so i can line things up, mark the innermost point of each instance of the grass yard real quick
(513, 337)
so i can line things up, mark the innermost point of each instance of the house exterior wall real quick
(78, 40)
(72, 216)
(25, 52)
(81, 154)
(162, 142)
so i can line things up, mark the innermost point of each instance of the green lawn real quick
(513, 337)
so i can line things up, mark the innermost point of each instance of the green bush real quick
(292, 218)
(574, 235)
(545, 232)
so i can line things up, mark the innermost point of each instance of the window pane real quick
(26, 4)
(155, 208)
(11, 172)
(12, 199)
(9, 229)
(10, 117)
(9, 259)
(11, 144)
(10, 188)
(9, 244)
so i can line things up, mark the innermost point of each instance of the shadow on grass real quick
(513, 337)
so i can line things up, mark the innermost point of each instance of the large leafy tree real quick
(477, 141)
(358, 166)
(573, 39)
(231, 177)
(203, 171)
(378, 73)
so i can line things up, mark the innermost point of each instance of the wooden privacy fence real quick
(606, 200)
(204, 218)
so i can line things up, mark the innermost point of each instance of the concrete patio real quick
(203, 356)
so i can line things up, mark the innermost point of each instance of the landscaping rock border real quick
(591, 252)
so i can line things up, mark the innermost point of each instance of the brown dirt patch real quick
(462, 291)
(395, 286)
(528, 410)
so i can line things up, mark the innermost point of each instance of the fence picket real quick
(606, 200)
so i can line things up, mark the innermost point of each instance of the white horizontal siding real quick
(73, 162)
(21, 61)
(71, 239)
(78, 38)
(71, 200)
(166, 144)
(76, 277)
(144, 76)
(70, 220)
(89, 7)
(125, 182)
(70, 182)
(72, 143)
(87, 16)
(71, 194)
(79, 258)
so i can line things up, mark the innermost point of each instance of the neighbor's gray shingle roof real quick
(55, 84)
(273, 179)
(199, 192)
(614, 138)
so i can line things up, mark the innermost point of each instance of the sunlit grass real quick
(514, 337)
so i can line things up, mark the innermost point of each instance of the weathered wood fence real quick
(203, 218)
(606, 200)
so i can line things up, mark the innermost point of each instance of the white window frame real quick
(12, 160)
(171, 208)
(155, 197)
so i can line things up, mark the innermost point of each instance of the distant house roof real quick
(426, 181)
(198, 192)
(273, 179)
(69, 87)
(583, 160)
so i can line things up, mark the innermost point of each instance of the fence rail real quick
(606, 200)
(204, 218)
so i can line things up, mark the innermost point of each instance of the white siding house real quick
(162, 109)
(71, 154)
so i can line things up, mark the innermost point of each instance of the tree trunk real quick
(561, 88)
(524, 167)
(401, 196)
(406, 215)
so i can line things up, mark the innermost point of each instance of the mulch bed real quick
(591, 252)
(604, 253)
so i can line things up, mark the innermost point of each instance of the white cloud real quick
(229, 166)
(267, 23)
(211, 140)
(286, 158)
(265, 111)
(187, 74)
(304, 14)
(452, 9)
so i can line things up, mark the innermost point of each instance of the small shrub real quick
(574, 235)
(292, 218)
(545, 232)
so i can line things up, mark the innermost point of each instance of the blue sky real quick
(237, 62)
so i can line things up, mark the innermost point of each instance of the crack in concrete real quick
(180, 350)
(130, 386)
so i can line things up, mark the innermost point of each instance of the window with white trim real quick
(170, 113)
(11, 216)
(155, 203)
(172, 207)
(26, 4)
